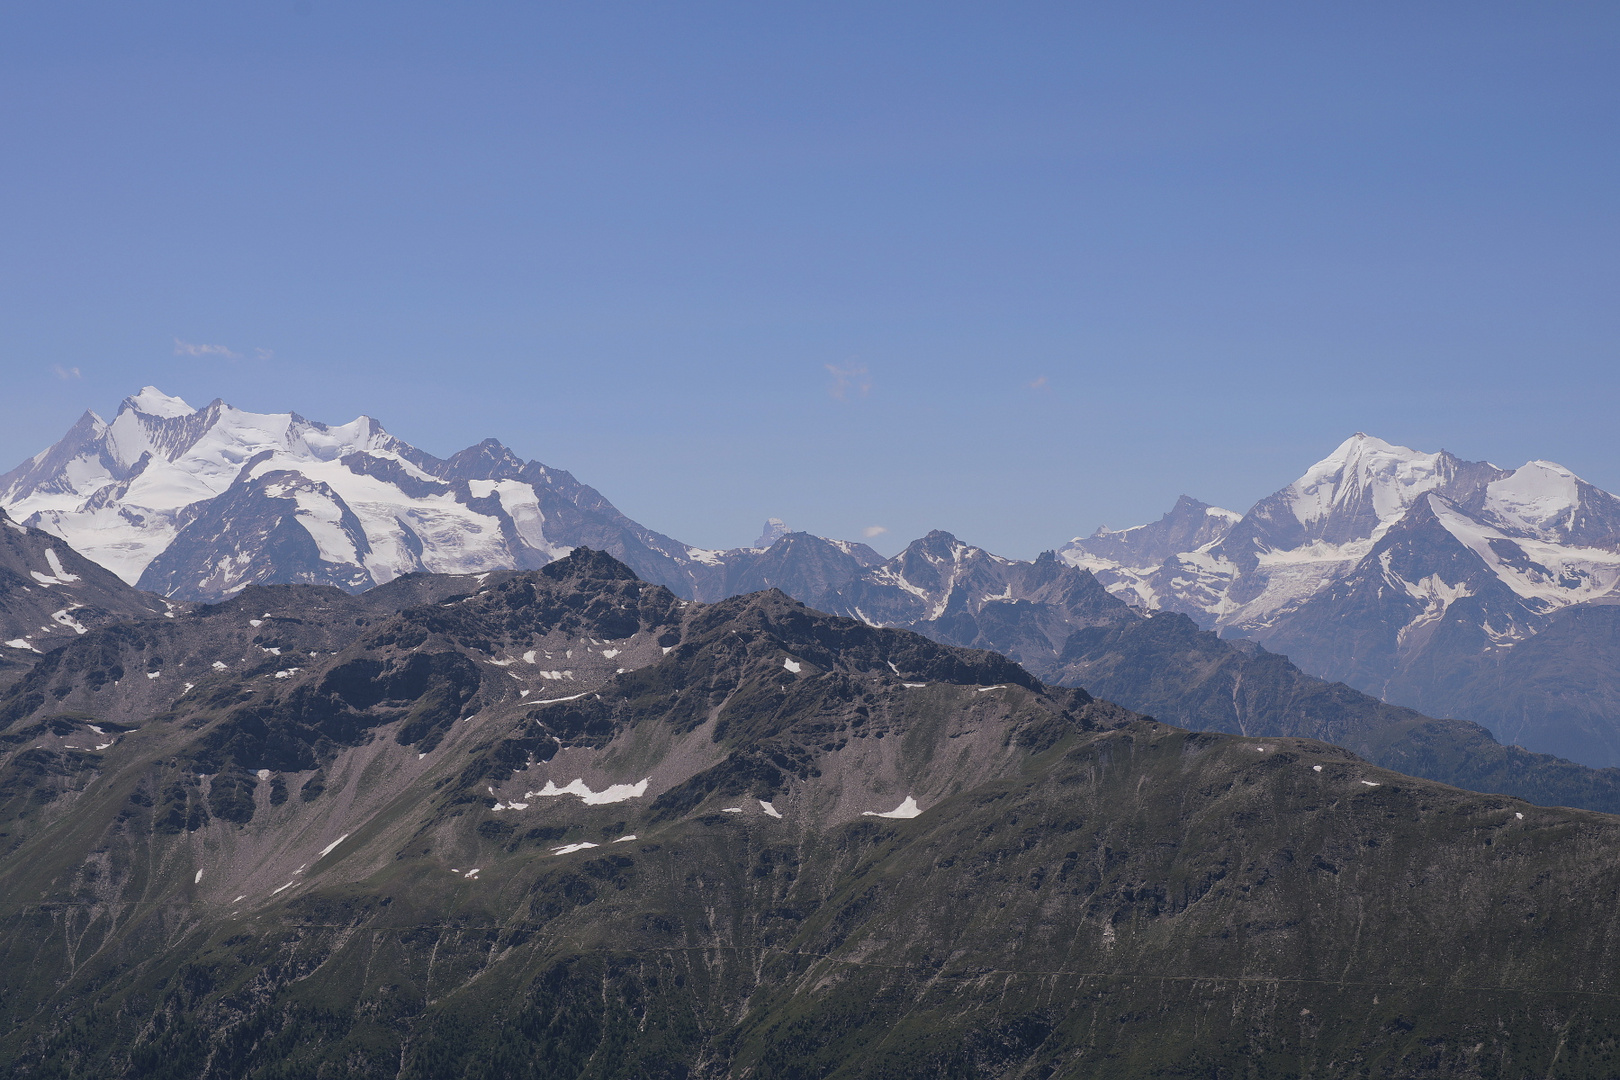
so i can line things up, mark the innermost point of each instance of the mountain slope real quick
(775, 844)
(49, 594)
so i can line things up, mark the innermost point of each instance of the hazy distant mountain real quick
(1409, 575)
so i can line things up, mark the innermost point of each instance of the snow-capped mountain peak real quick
(1383, 563)
(199, 503)
(153, 402)
(1366, 479)
(1544, 500)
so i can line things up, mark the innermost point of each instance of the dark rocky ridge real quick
(46, 604)
(1085, 892)
(1059, 623)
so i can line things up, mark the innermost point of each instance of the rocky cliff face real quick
(562, 823)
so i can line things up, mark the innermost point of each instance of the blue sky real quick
(1011, 270)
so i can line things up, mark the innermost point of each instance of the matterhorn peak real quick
(775, 529)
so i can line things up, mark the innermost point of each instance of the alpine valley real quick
(321, 756)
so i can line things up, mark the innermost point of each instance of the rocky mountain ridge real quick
(1411, 576)
(563, 823)
(1061, 624)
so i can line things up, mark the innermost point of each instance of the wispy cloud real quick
(1039, 383)
(848, 379)
(65, 373)
(873, 530)
(188, 348)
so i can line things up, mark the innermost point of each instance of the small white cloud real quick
(188, 348)
(1039, 383)
(66, 373)
(262, 354)
(873, 530)
(846, 379)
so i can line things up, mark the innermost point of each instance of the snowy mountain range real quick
(196, 504)
(1409, 575)
(1416, 577)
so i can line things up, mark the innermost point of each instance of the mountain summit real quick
(198, 503)
(1406, 574)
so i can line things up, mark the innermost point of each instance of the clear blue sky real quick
(1074, 259)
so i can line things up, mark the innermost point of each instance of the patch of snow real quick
(666, 649)
(528, 657)
(1316, 768)
(732, 810)
(791, 665)
(62, 576)
(327, 850)
(1370, 783)
(570, 697)
(769, 809)
(473, 872)
(569, 849)
(610, 653)
(197, 878)
(69, 621)
(287, 673)
(21, 643)
(219, 665)
(907, 809)
(153, 674)
(263, 774)
(611, 794)
(289, 885)
(892, 667)
(103, 746)
(913, 685)
(1518, 815)
(987, 689)
(95, 729)
(255, 622)
(622, 839)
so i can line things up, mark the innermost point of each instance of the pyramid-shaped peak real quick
(1361, 444)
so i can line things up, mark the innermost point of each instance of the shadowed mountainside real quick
(561, 823)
